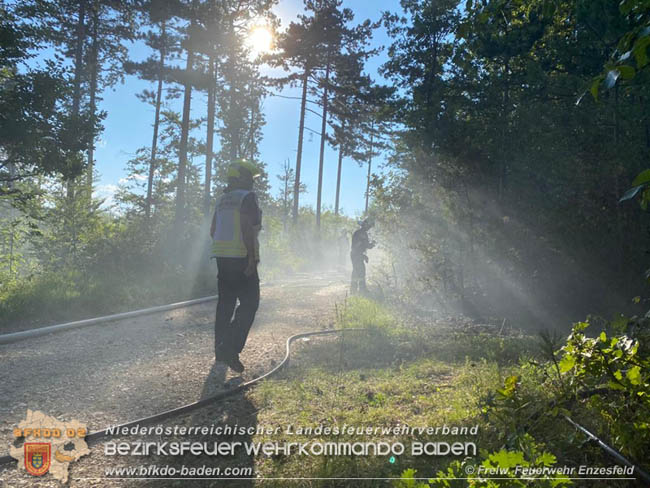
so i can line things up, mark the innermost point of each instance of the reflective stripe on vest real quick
(228, 241)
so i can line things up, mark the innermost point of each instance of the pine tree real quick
(314, 46)
(338, 42)
(297, 49)
(38, 132)
(110, 25)
(239, 95)
(165, 42)
(287, 180)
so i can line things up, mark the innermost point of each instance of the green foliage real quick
(500, 183)
(64, 259)
(602, 382)
(362, 313)
(616, 368)
(519, 404)
(407, 480)
(614, 361)
(631, 54)
(277, 256)
(503, 464)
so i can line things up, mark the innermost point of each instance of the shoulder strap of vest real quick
(241, 194)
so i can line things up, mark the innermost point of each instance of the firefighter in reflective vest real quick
(235, 226)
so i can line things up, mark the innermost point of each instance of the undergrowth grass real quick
(390, 375)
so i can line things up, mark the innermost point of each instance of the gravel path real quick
(112, 373)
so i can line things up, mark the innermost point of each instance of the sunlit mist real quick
(260, 40)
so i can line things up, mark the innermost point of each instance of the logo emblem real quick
(37, 457)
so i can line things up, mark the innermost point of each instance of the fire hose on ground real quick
(94, 437)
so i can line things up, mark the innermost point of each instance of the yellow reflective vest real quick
(227, 239)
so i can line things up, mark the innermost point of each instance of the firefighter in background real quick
(235, 226)
(360, 244)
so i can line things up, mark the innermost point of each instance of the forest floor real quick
(419, 372)
(108, 374)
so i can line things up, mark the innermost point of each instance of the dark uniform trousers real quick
(358, 274)
(233, 285)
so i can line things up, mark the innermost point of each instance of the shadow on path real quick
(231, 414)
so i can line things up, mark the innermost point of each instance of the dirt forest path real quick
(113, 373)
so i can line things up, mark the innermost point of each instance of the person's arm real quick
(248, 236)
(366, 242)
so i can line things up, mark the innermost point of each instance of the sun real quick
(260, 40)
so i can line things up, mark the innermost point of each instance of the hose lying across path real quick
(32, 333)
(29, 334)
(93, 437)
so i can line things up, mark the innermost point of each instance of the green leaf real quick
(548, 9)
(560, 481)
(566, 363)
(595, 86)
(612, 76)
(510, 385)
(627, 72)
(618, 375)
(634, 375)
(506, 459)
(625, 42)
(581, 97)
(636, 299)
(626, 6)
(640, 51)
(642, 178)
(603, 336)
(546, 459)
(631, 193)
(483, 17)
(407, 479)
(615, 386)
(580, 326)
(625, 56)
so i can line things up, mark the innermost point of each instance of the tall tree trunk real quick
(207, 193)
(78, 67)
(285, 195)
(182, 148)
(235, 141)
(94, 60)
(78, 57)
(505, 133)
(301, 130)
(235, 121)
(321, 159)
(372, 133)
(156, 121)
(338, 173)
(251, 134)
